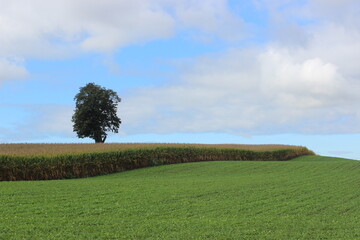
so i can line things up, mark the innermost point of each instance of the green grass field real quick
(310, 197)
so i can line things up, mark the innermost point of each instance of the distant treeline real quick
(14, 168)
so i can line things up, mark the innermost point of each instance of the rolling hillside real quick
(310, 197)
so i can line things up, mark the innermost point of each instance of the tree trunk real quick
(99, 139)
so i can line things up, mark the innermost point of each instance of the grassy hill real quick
(309, 197)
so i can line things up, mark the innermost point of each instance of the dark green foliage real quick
(95, 112)
(92, 164)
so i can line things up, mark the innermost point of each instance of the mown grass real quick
(309, 197)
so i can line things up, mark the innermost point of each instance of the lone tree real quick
(95, 112)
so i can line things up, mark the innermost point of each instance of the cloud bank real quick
(305, 79)
(63, 29)
(302, 76)
(249, 92)
(56, 28)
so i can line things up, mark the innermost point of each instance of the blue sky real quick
(216, 71)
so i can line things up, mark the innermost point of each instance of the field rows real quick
(309, 197)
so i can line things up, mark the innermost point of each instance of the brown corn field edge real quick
(60, 161)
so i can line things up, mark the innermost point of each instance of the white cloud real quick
(46, 28)
(60, 28)
(311, 82)
(11, 69)
(66, 28)
(306, 78)
(28, 122)
(210, 17)
(293, 22)
(116, 24)
(339, 45)
(257, 91)
(53, 120)
(344, 12)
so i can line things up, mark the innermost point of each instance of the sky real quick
(187, 71)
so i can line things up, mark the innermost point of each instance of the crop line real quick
(88, 164)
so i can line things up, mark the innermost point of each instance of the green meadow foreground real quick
(309, 197)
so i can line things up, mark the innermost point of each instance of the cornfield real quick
(59, 161)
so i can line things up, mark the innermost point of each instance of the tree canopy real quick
(95, 112)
